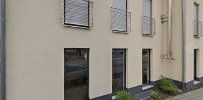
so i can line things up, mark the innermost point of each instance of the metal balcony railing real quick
(197, 33)
(148, 26)
(78, 13)
(121, 20)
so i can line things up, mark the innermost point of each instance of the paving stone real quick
(193, 95)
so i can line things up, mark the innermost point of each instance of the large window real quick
(146, 67)
(148, 23)
(118, 70)
(76, 74)
(120, 16)
(77, 13)
(197, 23)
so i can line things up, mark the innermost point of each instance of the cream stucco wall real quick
(173, 68)
(191, 42)
(36, 38)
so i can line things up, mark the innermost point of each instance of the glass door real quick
(146, 67)
(195, 64)
(118, 70)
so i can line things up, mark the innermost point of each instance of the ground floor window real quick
(118, 70)
(76, 74)
(146, 66)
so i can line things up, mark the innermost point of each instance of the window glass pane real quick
(77, 12)
(146, 66)
(119, 68)
(76, 74)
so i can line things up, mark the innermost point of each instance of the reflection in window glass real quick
(76, 74)
(119, 69)
(146, 67)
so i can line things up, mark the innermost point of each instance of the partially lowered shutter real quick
(76, 12)
(119, 14)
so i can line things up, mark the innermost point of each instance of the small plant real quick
(155, 95)
(167, 85)
(124, 95)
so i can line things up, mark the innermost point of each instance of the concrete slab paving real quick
(193, 95)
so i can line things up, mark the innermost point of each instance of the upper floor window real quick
(197, 23)
(120, 16)
(77, 13)
(148, 23)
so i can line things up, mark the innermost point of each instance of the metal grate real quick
(197, 29)
(148, 26)
(121, 20)
(78, 13)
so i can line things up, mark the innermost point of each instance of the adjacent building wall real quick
(191, 42)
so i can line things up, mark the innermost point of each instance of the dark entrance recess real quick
(118, 70)
(76, 74)
(195, 63)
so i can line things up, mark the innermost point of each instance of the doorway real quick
(146, 64)
(118, 70)
(76, 74)
(196, 60)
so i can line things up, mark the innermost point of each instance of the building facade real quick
(91, 49)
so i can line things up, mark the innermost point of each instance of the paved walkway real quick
(193, 95)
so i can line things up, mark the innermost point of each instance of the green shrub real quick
(124, 95)
(155, 95)
(167, 85)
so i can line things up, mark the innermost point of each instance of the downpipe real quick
(183, 44)
(169, 54)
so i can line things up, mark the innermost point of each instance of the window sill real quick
(114, 97)
(147, 35)
(77, 26)
(196, 36)
(124, 32)
(196, 82)
(147, 87)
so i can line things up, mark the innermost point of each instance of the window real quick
(197, 23)
(148, 23)
(76, 74)
(118, 70)
(146, 67)
(120, 16)
(77, 13)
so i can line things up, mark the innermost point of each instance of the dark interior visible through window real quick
(119, 70)
(76, 74)
(146, 67)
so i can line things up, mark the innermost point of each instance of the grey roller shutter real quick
(147, 15)
(120, 15)
(77, 12)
